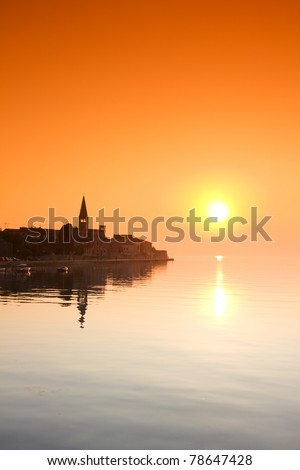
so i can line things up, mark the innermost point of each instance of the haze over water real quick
(195, 354)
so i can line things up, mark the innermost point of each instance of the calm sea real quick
(191, 354)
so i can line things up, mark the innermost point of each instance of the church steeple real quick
(83, 212)
(83, 219)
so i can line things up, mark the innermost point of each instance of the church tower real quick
(83, 220)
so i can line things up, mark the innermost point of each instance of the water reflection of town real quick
(78, 286)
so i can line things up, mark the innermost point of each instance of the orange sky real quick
(155, 107)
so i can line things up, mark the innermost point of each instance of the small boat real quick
(23, 269)
(63, 269)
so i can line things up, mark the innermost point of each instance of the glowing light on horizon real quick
(219, 257)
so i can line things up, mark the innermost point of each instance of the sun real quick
(219, 210)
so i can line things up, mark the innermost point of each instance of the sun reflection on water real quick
(220, 301)
(220, 297)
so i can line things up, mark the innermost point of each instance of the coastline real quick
(79, 262)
